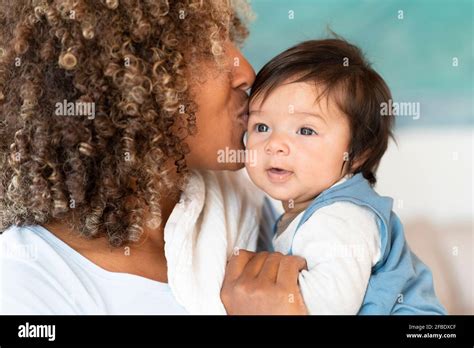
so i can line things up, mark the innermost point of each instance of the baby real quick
(318, 134)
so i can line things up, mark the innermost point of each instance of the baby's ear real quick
(360, 159)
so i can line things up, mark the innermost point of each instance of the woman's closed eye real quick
(307, 131)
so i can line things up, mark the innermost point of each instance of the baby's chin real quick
(280, 194)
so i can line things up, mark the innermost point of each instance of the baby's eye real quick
(261, 127)
(306, 131)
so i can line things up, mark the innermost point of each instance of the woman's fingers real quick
(289, 270)
(237, 263)
(263, 283)
(270, 267)
(254, 266)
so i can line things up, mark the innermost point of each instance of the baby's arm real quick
(340, 243)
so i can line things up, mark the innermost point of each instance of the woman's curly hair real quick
(129, 60)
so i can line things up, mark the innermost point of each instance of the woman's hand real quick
(263, 283)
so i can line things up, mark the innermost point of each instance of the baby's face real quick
(300, 144)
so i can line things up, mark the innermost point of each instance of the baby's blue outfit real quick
(399, 283)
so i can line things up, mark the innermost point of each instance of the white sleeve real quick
(340, 243)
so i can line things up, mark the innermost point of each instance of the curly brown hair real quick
(129, 60)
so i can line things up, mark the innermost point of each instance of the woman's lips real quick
(278, 175)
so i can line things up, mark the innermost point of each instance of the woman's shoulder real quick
(29, 266)
(22, 243)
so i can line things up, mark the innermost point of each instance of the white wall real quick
(429, 174)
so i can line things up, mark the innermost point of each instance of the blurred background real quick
(424, 51)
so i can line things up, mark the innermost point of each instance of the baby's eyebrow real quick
(310, 114)
(303, 113)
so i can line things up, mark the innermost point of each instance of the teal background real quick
(414, 54)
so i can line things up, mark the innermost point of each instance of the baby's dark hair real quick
(359, 91)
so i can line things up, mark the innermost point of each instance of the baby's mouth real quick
(278, 175)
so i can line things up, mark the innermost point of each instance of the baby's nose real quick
(277, 145)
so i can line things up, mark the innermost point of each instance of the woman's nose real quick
(243, 74)
(277, 146)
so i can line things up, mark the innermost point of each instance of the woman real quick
(111, 117)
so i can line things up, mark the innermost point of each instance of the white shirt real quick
(40, 274)
(341, 244)
(218, 211)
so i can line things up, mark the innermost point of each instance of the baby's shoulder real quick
(347, 212)
(343, 220)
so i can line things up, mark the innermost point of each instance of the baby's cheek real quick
(252, 167)
(313, 171)
(308, 162)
